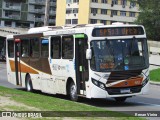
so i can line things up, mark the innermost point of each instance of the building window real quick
(122, 13)
(8, 4)
(75, 10)
(104, 1)
(8, 23)
(94, 10)
(132, 14)
(113, 12)
(74, 21)
(68, 21)
(104, 11)
(75, 1)
(95, 1)
(114, 2)
(132, 4)
(69, 1)
(37, 7)
(7, 13)
(52, 8)
(93, 21)
(123, 2)
(104, 22)
(68, 11)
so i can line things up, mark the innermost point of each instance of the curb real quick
(154, 83)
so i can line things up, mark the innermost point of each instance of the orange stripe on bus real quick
(136, 81)
(21, 67)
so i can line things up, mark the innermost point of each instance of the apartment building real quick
(25, 13)
(96, 11)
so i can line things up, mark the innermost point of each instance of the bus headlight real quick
(98, 84)
(145, 81)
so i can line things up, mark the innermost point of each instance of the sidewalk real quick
(154, 83)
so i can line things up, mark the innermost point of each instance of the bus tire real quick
(73, 92)
(120, 99)
(29, 86)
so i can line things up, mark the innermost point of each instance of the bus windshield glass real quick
(119, 55)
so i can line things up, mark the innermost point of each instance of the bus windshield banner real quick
(117, 31)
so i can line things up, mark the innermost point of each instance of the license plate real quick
(125, 91)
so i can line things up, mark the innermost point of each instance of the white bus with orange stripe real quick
(93, 61)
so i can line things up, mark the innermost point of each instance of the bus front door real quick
(17, 63)
(81, 63)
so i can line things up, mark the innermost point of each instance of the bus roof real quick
(59, 30)
(9, 36)
(43, 29)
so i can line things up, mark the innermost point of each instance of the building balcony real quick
(39, 19)
(72, 16)
(112, 17)
(115, 7)
(15, 17)
(16, 8)
(52, 3)
(41, 11)
(52, 12)
(37, 2)
(51, 20)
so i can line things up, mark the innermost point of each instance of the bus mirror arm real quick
(88, 54)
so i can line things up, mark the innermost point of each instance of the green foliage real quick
(155, 75)
(46, 102)
(150, 17)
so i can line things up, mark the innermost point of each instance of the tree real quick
(149, 16)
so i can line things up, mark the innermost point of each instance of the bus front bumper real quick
(97, 92)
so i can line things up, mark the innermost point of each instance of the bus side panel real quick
(46, 80)
(10, 71)
(61, 71)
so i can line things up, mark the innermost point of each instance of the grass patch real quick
(155, 75)
(51, 103)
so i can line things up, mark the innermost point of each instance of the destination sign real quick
(117, 31)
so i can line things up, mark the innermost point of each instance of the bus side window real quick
(25, 48)
(56, 47)
(35, 52)
(11, 49)
(67, 47)
(44, 48)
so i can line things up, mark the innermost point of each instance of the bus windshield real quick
(119, 55)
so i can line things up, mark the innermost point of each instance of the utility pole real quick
(46, 18)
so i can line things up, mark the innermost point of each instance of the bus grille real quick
(117, 91)
(116, 76)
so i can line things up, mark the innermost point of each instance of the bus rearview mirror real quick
(88, 54)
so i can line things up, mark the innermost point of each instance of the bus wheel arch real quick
(28, 83)
(72, 89)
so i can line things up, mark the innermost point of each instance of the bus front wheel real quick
(29, 86)
(73, 92)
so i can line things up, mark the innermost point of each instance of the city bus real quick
(91, 61)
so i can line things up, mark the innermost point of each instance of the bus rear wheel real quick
(73, 92)
(29, 86)
(120, 99)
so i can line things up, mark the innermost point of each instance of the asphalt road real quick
(150, 102)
